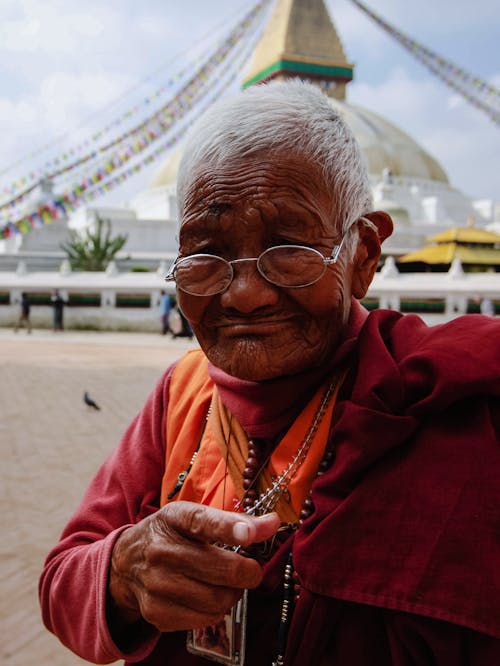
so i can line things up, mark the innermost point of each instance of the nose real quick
(248, 290)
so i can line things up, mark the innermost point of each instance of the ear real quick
(383, 222)
(368, 250)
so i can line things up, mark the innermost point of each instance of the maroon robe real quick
(400, 561)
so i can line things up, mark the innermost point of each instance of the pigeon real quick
(88, 401)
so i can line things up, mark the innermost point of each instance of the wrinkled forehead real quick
(226, 159)
(276, 184)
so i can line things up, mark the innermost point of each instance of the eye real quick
(282, 240)
(200, 247)
(212, 249)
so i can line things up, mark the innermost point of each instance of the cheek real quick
(193, 307)
(326, 302)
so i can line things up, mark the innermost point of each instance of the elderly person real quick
(316, 485)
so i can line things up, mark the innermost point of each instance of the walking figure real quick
(58, 303)
(165, 307)
(24, 315)
(487, 307)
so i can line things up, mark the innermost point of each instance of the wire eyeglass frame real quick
(331, 259)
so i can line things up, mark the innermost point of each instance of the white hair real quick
(275, 119)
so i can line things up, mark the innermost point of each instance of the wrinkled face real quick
(255, 330)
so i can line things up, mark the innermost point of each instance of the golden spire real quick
(300, 40)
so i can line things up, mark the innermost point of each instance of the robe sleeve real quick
(73, 584)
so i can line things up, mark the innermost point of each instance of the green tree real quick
(94, 249)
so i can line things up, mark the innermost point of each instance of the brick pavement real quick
(52, 444)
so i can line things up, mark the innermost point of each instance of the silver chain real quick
(268, 499)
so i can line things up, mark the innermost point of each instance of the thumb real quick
(209, 525)
(251, 529)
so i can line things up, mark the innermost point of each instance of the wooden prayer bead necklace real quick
(257, 504)
(250, 475)
(291, 580)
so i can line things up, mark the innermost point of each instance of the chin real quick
(244, 365)
(248, 360)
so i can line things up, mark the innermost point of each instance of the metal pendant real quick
(223, 642)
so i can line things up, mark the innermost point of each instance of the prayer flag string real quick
(103, 178)
(474, 90)
(139, 137)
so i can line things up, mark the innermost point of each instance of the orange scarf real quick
(215, 477)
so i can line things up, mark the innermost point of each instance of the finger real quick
(204, 523)
(167, 617)
(177, 590)
(202, 562)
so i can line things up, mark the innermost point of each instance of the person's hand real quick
(168, 571)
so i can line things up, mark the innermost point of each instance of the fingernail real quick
(240, 532)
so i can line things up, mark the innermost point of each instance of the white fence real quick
(131, 301)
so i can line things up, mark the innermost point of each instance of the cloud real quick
(445, 16)
(156, 25)
(400, 96)
(461, 138)
(66, 98)
(44, 28)
(62, 115)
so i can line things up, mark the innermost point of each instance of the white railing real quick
(454, 292)
(131, 300)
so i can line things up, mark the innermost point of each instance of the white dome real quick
(167, 172)
(387, 147)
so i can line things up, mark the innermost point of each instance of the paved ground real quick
(51, 445)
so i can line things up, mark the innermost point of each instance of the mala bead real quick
(329, 456)
(252, 450)
(248, 482)
(326, 463)
(253, 464)
(251, 495)
(307, 509)
(296, 585)
(308, 505)
(248, 503)
(249, 475)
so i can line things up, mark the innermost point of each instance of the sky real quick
(67, 68)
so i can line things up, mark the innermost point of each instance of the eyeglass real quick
(287, 266)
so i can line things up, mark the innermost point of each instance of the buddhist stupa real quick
(300, 40)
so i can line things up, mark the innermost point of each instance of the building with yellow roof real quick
(476, 249)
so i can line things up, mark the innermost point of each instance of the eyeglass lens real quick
(289, 266)
(203, 275)
(284, 266)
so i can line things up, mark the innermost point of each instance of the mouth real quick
(258, 326)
